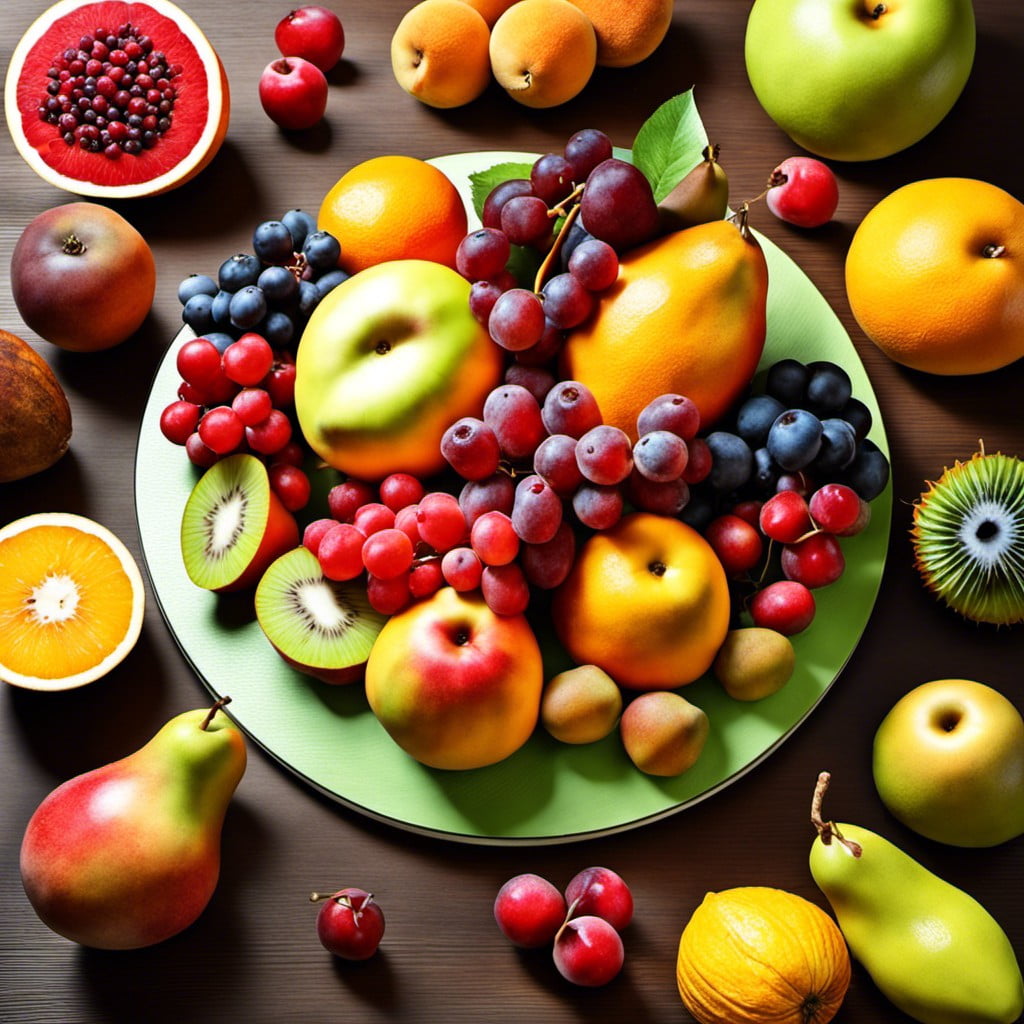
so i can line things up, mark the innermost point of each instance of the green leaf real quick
(670, 143)
(483, 182)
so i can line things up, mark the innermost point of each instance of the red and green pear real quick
(128, 854)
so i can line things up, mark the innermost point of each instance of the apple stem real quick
(213, 711)
(877, 11)
(828, 829)
(73, 245)
(993, 251)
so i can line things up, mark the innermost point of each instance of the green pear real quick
(128, 854)
(932, 950)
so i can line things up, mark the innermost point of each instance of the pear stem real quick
(828, 829)
(213, 711)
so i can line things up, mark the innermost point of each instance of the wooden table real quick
(253, 955)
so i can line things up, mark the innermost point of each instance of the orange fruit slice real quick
(71, 601)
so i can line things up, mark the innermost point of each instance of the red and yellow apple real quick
(455, 685)
(389, 359)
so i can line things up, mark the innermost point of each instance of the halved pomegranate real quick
(116, 99)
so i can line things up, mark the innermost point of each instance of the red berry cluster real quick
(806, 531)
(238, 400)
(582, 925)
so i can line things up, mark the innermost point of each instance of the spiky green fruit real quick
(968, 538)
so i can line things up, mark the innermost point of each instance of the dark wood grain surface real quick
(253, 955)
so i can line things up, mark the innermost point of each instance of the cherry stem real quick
(568, 917)
(828, 829)
(213, 711)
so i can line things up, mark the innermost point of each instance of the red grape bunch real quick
(580, 209)
(239, 400)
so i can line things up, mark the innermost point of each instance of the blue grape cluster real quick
(804, 430)
(273, 290)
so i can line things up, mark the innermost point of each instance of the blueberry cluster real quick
(273, 290)
(804, 430)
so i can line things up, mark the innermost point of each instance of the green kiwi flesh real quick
(968, 538)
(233, 525)
(321, 627)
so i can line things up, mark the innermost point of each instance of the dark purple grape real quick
(278, 284)
(828, 388)
(787, 381)
(838, 447)
(869, 472)
(326, 283)
(300, 224)
(732, 461)
(585, 150)
(198, 313)
(321, 250)
(755, 417)
(248, 307)
(551, 178)
(618, 205)
(272, 242)
(499, 196)
(221, 308)
(196, 284)
(238, 272)
(794, 439)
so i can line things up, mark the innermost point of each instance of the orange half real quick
(71, 601)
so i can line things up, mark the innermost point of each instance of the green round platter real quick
(546, 792)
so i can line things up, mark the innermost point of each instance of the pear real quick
(128, 854)
(932, 950)
(702, 195)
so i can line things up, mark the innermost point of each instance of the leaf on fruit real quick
(484, 182)
(670, 143)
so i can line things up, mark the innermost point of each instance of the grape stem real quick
(556, 247)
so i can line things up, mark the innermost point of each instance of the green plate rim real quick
(547, 792)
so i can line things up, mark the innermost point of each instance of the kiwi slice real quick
(234, 525)
(319, 626)
(968, 538)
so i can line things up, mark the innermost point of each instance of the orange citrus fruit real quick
(439, 53)
(393, 208)
(71, 601)
(543, 52)
(647, 601)
(686, 316)
(935, 276)
(627, 33)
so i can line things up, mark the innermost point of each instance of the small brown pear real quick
(701, 196)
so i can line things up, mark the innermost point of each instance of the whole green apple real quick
(388, 361)
(948, 762)
(859, 79)
(453, 683)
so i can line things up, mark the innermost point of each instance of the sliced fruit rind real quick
(19, 582)
(137, 176)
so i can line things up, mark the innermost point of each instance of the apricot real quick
(83, 278)
(543, 52)
(491, 10)
(439, 53)
(580, 705)
(663, 733)
(627, 33)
